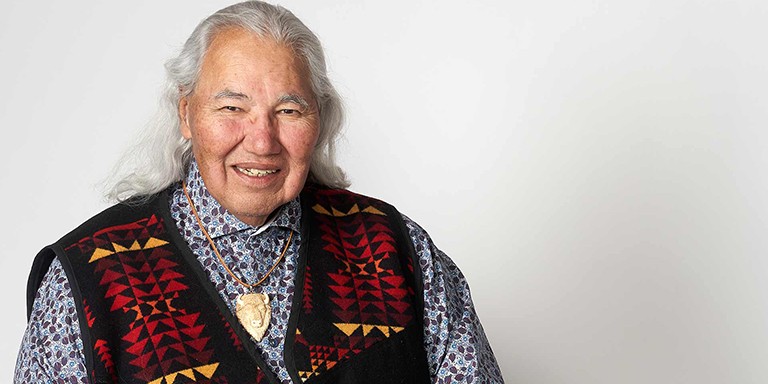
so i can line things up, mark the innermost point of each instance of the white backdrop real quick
(596, 168)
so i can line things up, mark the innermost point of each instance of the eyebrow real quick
(293, 98)
(288, 98)
(230, 94)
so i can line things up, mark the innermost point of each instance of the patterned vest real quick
(149, 314)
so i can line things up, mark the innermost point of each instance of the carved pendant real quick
(253, 312)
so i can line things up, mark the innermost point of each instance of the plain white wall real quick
(596, 168)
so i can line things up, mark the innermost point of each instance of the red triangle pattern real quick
(367, 286)
(102, 349)
(88, 314)
(366, 290)
(235, 340)
(120, 234)
(306, 299)
(161, 340)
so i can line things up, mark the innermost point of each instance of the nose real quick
(260, 136)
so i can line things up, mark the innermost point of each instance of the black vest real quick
(148, 312)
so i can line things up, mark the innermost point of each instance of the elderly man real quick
(235, 256)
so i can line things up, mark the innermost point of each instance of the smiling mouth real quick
(256, 172)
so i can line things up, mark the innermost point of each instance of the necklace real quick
(252, 309)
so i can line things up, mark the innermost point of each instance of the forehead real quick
(236, 54)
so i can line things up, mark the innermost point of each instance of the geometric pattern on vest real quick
(162, 337)
(355, 279)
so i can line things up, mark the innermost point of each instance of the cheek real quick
(303, 144)
(214, 137)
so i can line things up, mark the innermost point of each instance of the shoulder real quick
(121, 215)
(97, 229)
(340, 202)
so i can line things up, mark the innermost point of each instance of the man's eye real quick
(230, 108)
(287, 111)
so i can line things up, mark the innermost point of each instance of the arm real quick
(51, 350)
(456, 345)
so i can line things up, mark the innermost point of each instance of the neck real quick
(255, 221)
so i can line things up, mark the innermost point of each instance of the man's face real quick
(253, 122)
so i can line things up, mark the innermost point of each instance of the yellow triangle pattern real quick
(316, 363)
(374, 211)
(188, 373)
(205, 370)
(350, 328)
(153, 305)
(100, 253)
(319, 209)
(354, 210)
(154, 242)
(347, 328)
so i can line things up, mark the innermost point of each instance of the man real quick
(235, 256)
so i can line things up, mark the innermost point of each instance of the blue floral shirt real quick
(456, 345)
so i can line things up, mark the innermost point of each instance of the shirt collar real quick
(219, 222)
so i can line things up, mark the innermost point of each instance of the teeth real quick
(256, 172)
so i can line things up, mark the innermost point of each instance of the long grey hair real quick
(161, 155)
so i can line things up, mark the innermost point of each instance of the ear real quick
(186, 131)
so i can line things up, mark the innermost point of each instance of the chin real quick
(254, 209)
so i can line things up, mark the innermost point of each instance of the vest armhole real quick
(418, 279)
(40, 267)
(85, 332)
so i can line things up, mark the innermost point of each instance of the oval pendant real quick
(253, 312)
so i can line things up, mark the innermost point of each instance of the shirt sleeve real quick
(52, 350)
(456, 345)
